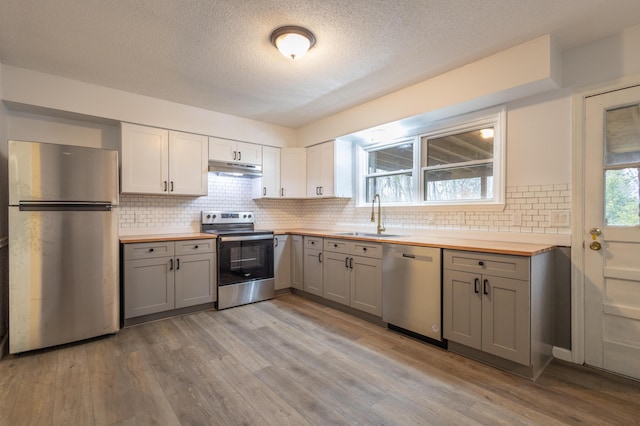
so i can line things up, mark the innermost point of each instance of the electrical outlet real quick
(516, 218)
(560, 218)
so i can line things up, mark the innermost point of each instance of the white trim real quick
(577, 195)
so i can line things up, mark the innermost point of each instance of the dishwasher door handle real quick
(410, 256)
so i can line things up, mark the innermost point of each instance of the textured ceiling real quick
(216, 54)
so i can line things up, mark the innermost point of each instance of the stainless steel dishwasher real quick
(412, 291)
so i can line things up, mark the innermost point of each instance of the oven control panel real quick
(220, 217)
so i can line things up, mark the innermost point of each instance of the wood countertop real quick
(165, 237)
(484, 246)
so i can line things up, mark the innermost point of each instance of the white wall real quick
(539, 140)
(28, 87)
(42, 128)
(4, 252)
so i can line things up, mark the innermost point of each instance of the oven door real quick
(244, 258)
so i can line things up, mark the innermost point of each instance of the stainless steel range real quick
(245, 258)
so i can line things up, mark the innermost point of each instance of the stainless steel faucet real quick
(381, 228)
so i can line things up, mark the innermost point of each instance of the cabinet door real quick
(222, 149)
(282, 261)
(195, 276)
(297, 262)
(145, 164)
(314, 168)
(249, 153)
(270, 173)
(366, 285)
(462, 307)
(293, 172)
(188, 168)
(505, 318)
(336, 275)
(313, 271)
(327, 169)
(148, 286)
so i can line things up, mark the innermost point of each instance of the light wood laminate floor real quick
(290, 361)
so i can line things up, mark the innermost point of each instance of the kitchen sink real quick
(366, 234)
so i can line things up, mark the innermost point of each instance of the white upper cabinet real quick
(270, 173)
(283, 173)
(233, 151)
(157, 161)
(293, 173)
(330, 169)
(188, 164)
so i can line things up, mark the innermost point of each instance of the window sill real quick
(457, 207)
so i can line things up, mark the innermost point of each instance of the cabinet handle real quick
(171, 186)
(351, 262)
(312, 242)
(264, 191)
(177, 264)
(335, 245)
(171, 264)
(165, 186)
(346, 262)
(320, 190)
(485, 288)
(275, 240)
(475, 285)
(282, 192)
(481, 263)
(151, 250)
(319, 257)
(364, 249)
(317, 190)
(239, 156)
(234, 155)
(195, 247)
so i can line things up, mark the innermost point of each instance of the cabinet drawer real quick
(367, 249)
(313, 243)
(195, 246)
(499, 265)
(337, 246)
(148, 250)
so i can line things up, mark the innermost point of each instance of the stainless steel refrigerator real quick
(63, 244)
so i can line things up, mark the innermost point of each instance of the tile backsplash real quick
(540, 209)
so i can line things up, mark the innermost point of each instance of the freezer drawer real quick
(63, 277)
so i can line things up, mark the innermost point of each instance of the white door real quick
(612, 231)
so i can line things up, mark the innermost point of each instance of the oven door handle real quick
(245, 238)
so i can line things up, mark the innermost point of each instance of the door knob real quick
(595, 232)
(595, 245)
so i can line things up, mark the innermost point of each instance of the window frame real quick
(494, 117)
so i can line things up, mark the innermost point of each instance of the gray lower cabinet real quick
(313, 265)
(166, 275)
(488, 302)
(297, 261)
(352, 274)
(282, 261)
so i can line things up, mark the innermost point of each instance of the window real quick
(458, 166)
(456, 161)
(390, 173)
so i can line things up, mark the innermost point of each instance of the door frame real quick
(577, 353)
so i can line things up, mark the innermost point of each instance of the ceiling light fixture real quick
(293, 42)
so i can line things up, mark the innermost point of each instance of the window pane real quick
(622, 136)
(459, 148)
(399, 157)
(622, 197)
(459, 183)
(392, 189)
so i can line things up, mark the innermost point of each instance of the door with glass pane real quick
(612, 231)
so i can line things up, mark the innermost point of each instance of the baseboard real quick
(563, 354)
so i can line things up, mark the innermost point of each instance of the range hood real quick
(232, 168)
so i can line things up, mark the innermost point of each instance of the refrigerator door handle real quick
(64, 206)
